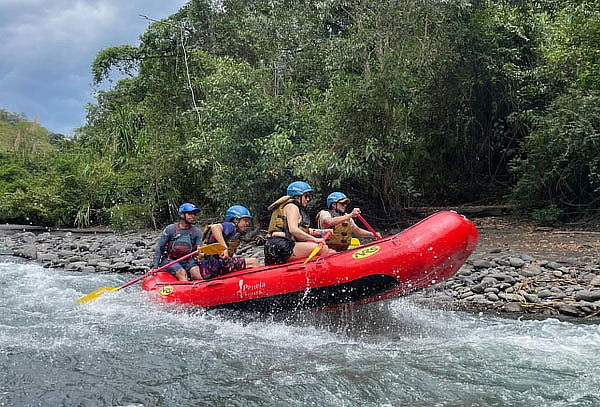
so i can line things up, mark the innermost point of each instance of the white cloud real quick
(47, 47)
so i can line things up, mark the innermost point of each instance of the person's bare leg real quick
(251, 262)
(181, 275)
(303, 249)
(195, 273)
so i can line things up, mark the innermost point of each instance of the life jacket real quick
(180, 245)
(342, 232)
(232, 239)
(279, 222)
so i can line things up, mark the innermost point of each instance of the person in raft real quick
(289, 235)
(237, 220)
(343, 225)
(177, 240)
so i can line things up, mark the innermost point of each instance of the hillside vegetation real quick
(17, 135)
(397, 103)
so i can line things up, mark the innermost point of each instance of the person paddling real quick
(289, 235)
(343, 224)
(177, 240)
(237, 220)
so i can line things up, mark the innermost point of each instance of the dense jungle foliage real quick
(395, 102)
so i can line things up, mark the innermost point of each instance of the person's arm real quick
(292, 214)
(160, 247)
(217, 232)
(329, 221)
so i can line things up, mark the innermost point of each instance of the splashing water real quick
(124, 350)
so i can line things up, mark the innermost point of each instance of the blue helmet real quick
(336, 197)
(188, 207)
(237, 212)
(298, 188)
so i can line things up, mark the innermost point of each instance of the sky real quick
(47, 48)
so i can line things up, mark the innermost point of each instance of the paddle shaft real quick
(359, 216)
(161, 268)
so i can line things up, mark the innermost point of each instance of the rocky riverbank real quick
(555, 275)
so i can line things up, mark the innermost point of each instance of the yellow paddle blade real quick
(95, 294)
(354, 242)
(215, 248)
(313, 253)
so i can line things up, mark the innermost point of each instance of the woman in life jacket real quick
(237, 220)
(177, 240)
(343, 225)
(289, 235)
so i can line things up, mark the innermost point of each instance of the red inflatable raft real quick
(424, 254)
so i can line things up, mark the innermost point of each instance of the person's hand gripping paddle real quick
(318, 248)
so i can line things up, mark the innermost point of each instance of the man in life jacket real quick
(343, 225)
(290, 236)
(237, 220)
(177, 240)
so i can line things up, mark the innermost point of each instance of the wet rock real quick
(545, 293)
(50, 257)
(74, 259)
(516, 262)
(588, 295)
(29, 251)
(78, 265)
(569, 310)
(66, 253)
(482, 264)
(530, 270)
(553, 265)
(513, 307)
(595, 281)
(527, 258)
(529, 297)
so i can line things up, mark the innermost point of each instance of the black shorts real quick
(278, 250)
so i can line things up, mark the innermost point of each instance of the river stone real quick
(51, 257)
(569, 310)
(66, 253)
(516, 262)
(530, 270)
(553, 265)
(511, 297)
(527, 258)
(78, 265)
(466, 295)
(595, 281)
(513, 307)
(6, 252)
(588, 295)
(545, 293)
(492, 297)
(74, 259)
(502, 262)
(531, 298)
(29, 251)
(482, 264)
(504, 277)
(119, 266)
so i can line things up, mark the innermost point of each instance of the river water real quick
(122, 350)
